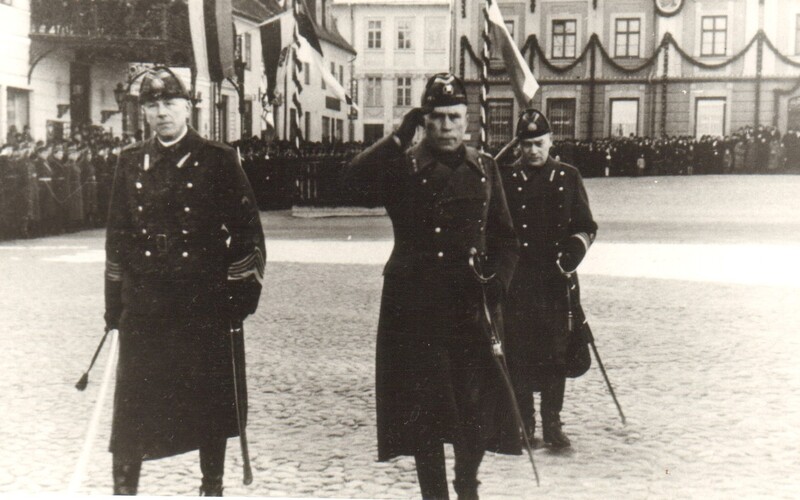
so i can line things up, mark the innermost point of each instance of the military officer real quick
(555, 228)
(184, 263)
(435, 379)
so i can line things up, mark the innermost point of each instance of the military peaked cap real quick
(532, 123)
(443, 89)
(161, 83)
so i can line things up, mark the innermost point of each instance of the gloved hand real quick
(571, 254)
(408, 127)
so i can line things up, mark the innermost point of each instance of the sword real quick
(588, 332)
(248, 471)
(499, 357)
(84, 380)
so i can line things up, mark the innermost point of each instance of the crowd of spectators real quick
(64, 186)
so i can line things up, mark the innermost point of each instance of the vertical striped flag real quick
(522, 80)
(211, 26)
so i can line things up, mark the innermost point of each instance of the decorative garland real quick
(532, 44)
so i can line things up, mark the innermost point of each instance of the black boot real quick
(466, 490)
(211, 487)
(212, 465)
(554, 437)
(126, 476)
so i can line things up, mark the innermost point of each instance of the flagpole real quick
(485, 76)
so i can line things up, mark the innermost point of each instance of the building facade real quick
(400, 44)
(642, 67)
(325, 118)
(64, 67)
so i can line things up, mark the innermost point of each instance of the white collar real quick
(174, 141)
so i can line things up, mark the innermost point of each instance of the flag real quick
(272, 49)
(309, 50)
(522, 80)
(211, 27)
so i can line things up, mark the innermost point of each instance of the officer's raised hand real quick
(405, 132)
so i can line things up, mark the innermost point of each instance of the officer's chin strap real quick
(499, 356)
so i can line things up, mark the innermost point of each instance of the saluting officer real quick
(555, 227)
(435, 381)
(184, 263)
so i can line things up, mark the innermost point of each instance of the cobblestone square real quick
(692, 291)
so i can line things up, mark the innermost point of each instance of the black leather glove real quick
(408, 127)
(571, 254)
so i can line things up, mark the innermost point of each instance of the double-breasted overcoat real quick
(184, 258)
(435, 378)
(549, 205)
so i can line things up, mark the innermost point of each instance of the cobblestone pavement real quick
(705, 371)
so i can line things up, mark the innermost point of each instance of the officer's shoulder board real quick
(133, 147)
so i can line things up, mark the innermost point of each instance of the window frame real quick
(409, 34)
(611, 102)
(507, 127)
(627, 34)
(713, 32)
(374, 34)
(564, 36)
(376, 92)
(403, 97)
(724, 101)
(551, 102)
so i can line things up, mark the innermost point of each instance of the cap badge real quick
(532, 127)
(447, 89)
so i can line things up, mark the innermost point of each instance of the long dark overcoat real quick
(435, 378)
(548, 205)
(184, 255)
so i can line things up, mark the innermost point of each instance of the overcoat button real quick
(184, 231)
(438, 230)
(138, 185)
(424, 181)
(561, 188)
(185, 254)
(562, 172)
(440, 254)
(483, 179)
(144, 231)
(187, 209)
(139, 208)
(189, 185)
(523, 207)
(524, 226)
(519, 188)
(525, 244)
(147, 253)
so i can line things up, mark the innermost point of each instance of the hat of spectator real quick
(161, 83)
(443, 89)
(532, 124)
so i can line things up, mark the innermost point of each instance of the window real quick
(292, 124)
(374, 92)
(626, 40)
(561, 113)
(307, 73)
(404, 91)
(307, 125)
(709, 117)
(17, 108)
(714, 35)
(374, 29)
(339, 135)
(326, 129)
(404, 34)
(500, 121)
(435, 33)
(248, 61)
(624, 117)
(564, 39)
(372, 132)
(341, 75)
(797, 34)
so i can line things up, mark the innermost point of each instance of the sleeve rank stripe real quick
(584, 238)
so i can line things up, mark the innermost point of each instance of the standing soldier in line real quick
(73, 201)
(89, 188)
(58, 190)
(184, 263)
(554, 224)
(435, 378)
